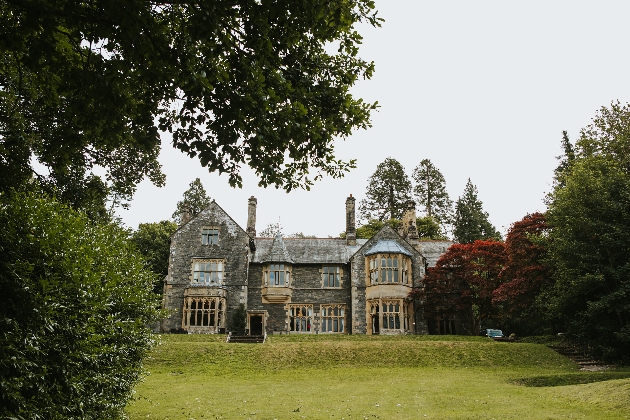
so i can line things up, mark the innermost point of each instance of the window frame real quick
(204, 312)
(299, 322)
(210, 235)
(337, 276)
(400, 318)
(277, 274)
(329, 319)
(384, 269)
(219, 276)
(392, 310)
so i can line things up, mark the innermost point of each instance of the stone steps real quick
(246, 339)
(585, 362)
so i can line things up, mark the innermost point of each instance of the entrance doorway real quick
(375, 319)
(256, 324)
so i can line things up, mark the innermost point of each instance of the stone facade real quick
(290, 285)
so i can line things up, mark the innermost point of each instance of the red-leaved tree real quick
(525, 274)
(462, 283)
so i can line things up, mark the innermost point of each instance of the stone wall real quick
(186, 245)
(359, 315)
(306, 287)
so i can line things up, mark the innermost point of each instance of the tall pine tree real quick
(565, 159)
(195, 200)
(471, 222)
(388, 192)
(430, 192)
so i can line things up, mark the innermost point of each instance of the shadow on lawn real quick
(570, 378)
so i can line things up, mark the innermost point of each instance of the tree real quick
(461, 284)
(271, 230)
(471, 222)
(590, 236)
(369, 229)
(239, 320)
(525, 276)
(75, 304)
(88, 84)
(588, 249)
(153, 241)
(565, 160)
(87, 193)
(301, 235)
(194, 202)
(429, 228)
(387, 193)
(430, 192)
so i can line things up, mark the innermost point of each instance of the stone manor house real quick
(296, 285)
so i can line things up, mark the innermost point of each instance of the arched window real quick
(301, 318)
(206, 312)
(388, 269)
(333, 318)
(389, 316)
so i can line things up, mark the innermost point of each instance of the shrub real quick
(75, 304)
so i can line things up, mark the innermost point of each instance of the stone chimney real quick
(185, 216)
(351, 231)
(408, 225)
(251, 216)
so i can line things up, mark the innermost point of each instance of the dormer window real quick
(277, 275)
(210, 236)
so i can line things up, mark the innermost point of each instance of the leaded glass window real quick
(209, 272)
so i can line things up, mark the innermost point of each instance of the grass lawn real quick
(362, 377)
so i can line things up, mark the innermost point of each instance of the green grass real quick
(359, 377)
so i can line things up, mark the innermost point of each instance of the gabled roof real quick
(386, 233)
(213, 206)
(387, 246)
(308, 250)
(277, 252)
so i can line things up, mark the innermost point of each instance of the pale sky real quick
(483, 89)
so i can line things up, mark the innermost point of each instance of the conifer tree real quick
(471, 222)
(565, 159)
(388, 192)
(430, 192)
(195, 200)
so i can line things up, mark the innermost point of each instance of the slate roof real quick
(277, 251)
(433, 250)
(305, 251)
(387, 247)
